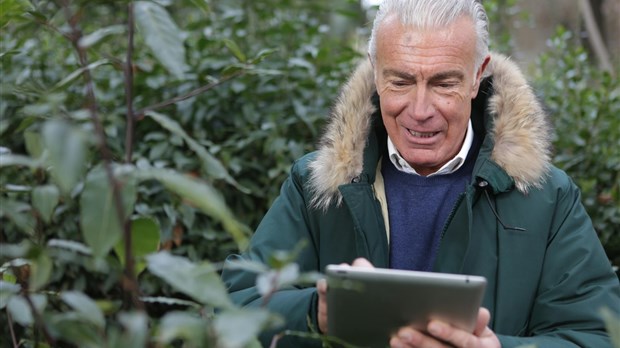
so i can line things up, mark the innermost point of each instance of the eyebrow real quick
(450, 74)
(399, 74)
(444, 75)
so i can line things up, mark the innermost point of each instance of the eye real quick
(400, 83)
(447, 84)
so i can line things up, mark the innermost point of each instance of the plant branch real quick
(140, 113)
(131, 285)
(10, 320)
(595, 37)
(38, 320)
(50, 26)
(129, 88)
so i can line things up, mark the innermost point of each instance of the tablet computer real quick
(365, 306)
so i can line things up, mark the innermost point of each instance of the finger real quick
(483, 320)
(321, 286)
(362, 262)
(452, 335)
(409, 337)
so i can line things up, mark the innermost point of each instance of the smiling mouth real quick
(422, 134)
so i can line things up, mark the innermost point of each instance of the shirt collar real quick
(450, 167)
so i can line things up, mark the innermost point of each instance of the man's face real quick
(426, 81)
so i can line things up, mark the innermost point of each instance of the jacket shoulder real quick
(559, 181)
(300, 169)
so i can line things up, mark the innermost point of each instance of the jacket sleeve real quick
(283, 227)
(576, 282)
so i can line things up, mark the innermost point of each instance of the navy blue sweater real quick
(418, 208)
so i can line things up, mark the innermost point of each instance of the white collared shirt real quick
(450, 167)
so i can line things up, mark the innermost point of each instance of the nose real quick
(421, 106)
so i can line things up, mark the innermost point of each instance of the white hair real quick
(428, 14)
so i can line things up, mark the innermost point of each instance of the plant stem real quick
(131, 283)
(140, 113)
(13, 338)
(129, 87)
(38, 320)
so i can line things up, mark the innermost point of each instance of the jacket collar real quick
(517, 130)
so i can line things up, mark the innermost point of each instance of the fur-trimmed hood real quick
(521, 133)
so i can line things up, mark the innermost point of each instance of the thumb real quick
(483, 320)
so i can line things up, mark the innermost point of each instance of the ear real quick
(372, 63)
(479, 74)
(374, 71)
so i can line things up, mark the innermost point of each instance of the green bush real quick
(182, 150)
(584, 104)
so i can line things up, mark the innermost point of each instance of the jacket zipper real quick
(450, 217)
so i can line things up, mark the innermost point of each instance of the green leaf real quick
(74, 75)
(72, 328)
(162, 36)
(70, 245)
(8, 53)
(136, 329)
(202, 5)
(34, 144)
(9, 277)
(612, 324)
(262, 54)
(181, 325)
(252, 320)
(67, 153)
(99, 219)
(44, 200)
(40, 270)
(271, 281)
(20, 214)
(7, 160)
(144, 240)
(13, 9)
(20, 310)
(170, 301)
(95, 37)
(203, 196)
(199, 281)
(14, 251)
(109, 306)
(7, 291)
(235, 50)
(210, 164)
(85, 306)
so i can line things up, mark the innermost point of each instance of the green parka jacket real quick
(546, 282)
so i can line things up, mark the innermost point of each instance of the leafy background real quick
(178, 143)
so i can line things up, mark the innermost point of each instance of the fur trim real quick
(340, 156)
(521, 132)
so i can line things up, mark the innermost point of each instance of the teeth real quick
(422, 135)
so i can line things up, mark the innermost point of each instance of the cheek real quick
(393, 105)
(455, 112)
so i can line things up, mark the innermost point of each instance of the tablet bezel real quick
(370, 316)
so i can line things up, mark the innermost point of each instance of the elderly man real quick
(437, 158)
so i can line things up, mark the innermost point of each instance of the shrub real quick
(166, 143)
(584, 103)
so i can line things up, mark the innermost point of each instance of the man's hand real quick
(444, 335)
(321, 289)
